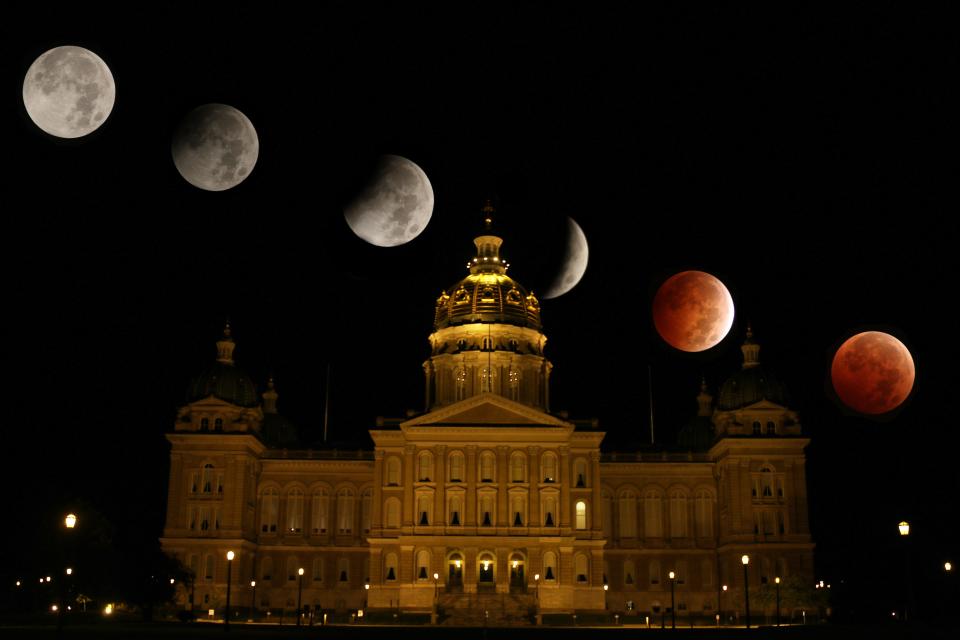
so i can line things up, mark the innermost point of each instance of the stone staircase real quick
(486, 609)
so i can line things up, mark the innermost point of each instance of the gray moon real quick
(395, 206)
(215, 147)
(575, 259)
(68, 92)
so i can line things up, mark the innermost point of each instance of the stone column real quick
(439, 498)
(470, 508)
(565, 488)
(533, 478)
(503, 477)
(376, 509)
(596, 521)
(409, 508)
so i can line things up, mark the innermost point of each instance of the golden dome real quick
(488, 294)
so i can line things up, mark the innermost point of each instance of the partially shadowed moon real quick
(872, 372)
(575, 259)
(68, 92)
(395, 205)
(693, 311)
(215, 147)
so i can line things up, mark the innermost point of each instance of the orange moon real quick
(872, 372)
(693, 311)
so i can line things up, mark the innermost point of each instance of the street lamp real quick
(673, 609)
(536, 581)
(745, 559)
(366, 593)
(436, 578)
(777, 582)
(226, 614)
(299, 593)
(946, 567)
(724, 588)
(70, 521)
(904, 528)
(253, 598)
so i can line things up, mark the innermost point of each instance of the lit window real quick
(581, 510)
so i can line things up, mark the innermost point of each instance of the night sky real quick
(806, 159)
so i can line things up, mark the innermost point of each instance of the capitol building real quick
(487, 501)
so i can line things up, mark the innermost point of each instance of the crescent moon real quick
(395, 206)
(575, 259)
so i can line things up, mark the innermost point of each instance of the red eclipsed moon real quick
(693, 311)
(872, 372)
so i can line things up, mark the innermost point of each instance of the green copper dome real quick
(224, 380)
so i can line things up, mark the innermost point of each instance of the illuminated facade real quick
(514, 509)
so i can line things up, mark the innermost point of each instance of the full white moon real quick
(68, 92)
(575, 259)
(215, 147)
(395, 206)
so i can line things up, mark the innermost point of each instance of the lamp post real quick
(70, 522)
(536, 581)
(776, 581)
(253, 599)
(745, 559)
(299, 593)
(904, 528)
(366, 594)
(673, 609)
(723, 591)
(436, 578)
(226, 614)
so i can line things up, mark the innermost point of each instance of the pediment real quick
(486, 410)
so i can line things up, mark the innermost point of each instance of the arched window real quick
(652, 510)
(292, 569)
(581, 568)
(269, 510)
(209, 566)
(550, 566)
(425, 465)
(514, 381)
(488, 466)
(393, 471)
(423, 565)
(295, 511)
(704, 514)
(345, 510)
(319, 510)
(678, 514)
(518, 463)
(581, 511)
(366, 506)
(580, 473)
(771, 428)
(266, 569)
(456, 467)
(423, 509)
(518, 510)
(628, 514)
(756, 427)
(204, 424)
(456, 509)
(393, 513)
(549, 467)
(629, 573)
(208, 478)
(654, 572)
(487, 513)
(343, 570)
(218, 424)
(549, 511)
(460, 382)
(390, 567)
(317, 573)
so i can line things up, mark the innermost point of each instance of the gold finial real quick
(488, 211)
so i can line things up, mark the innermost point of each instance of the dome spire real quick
(270, 397)
(225, 346)
(750, 349)
(488, 258)
(704, 400)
